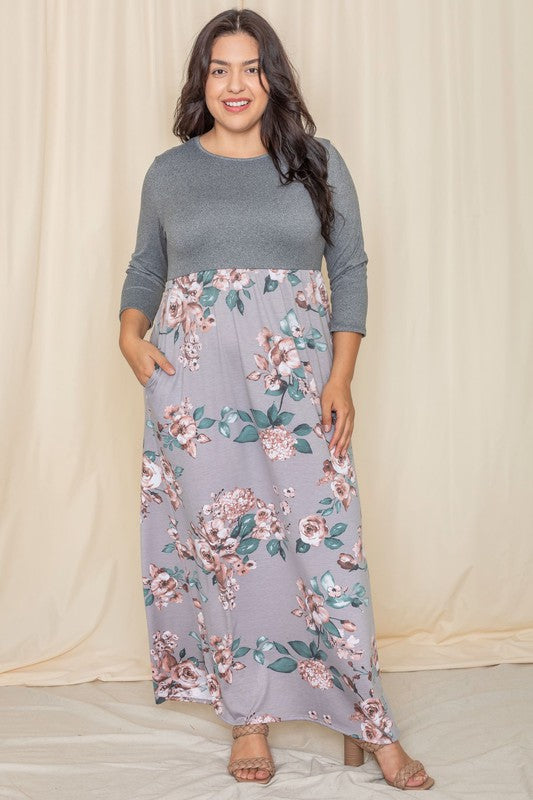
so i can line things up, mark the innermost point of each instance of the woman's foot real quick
(251, 746)
(391, 758)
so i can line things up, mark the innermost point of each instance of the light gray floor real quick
(472, 729)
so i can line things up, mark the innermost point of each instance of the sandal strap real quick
(261, 762)
(252, 727)
(405, 772)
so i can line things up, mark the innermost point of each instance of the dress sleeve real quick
(346, 258)
(146, 274)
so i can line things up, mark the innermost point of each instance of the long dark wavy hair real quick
(287, 128)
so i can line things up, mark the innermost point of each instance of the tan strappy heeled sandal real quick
(354, 756)
(251, 762)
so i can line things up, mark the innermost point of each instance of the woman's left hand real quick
(336, 397)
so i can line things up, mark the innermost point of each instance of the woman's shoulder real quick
(174, 155)
(332, 151)
(167, 165)
(337, 166)
(325, 142)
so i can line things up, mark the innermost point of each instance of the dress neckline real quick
(200, 146)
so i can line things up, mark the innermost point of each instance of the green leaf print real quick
(303, 446)
(231, 298)
(358, 590)
(285, 417)
(209, 296)
(206, 422)
(327, 581)
(332, 543)
(273, 546)
(338, 528)
(331, 628)
(245, 526)
(270, 284)
(264, 643)
(294, 392)
(248, 546)
(339, 602)
(224, 429)
(283, 665)
(314, 345)
(281, 648)
(301, 546)
(303, 429)
(301, 648)
(272, 413)
(290, 323)
(248, 434)
(261, 419)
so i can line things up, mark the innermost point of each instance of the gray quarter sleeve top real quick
(201, 211)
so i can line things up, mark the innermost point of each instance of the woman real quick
(255, 579)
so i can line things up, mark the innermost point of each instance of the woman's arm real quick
(147, 271)
(346, 261)
(336, 395)
(144, 283)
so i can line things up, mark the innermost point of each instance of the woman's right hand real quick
(142, 357)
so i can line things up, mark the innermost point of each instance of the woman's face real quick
(234, 75)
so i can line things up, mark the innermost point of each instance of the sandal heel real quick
(354, 755)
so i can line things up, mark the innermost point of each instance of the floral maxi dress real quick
(256, 584)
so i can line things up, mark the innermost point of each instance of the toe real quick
(418, 778)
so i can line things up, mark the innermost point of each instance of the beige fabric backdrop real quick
(429, 102)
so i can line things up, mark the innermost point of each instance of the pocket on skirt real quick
(152, 380)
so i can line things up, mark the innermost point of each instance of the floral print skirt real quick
(256, 585)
